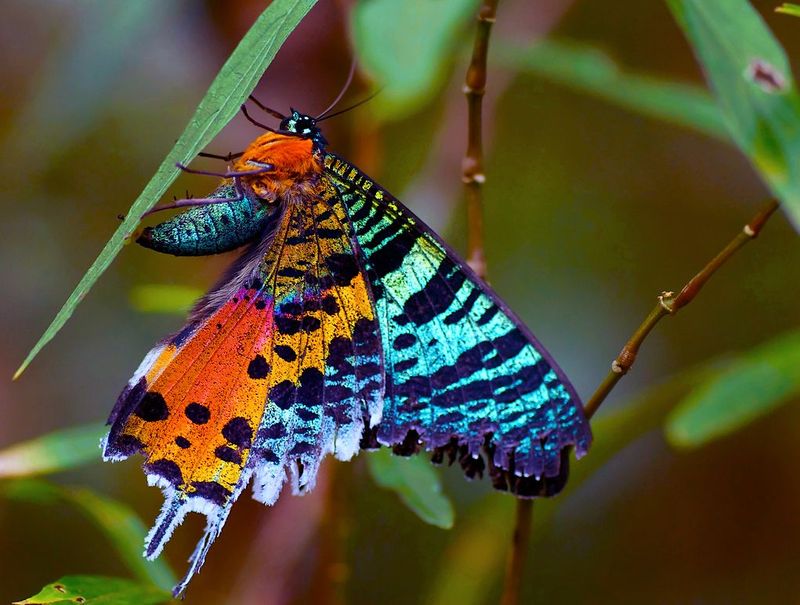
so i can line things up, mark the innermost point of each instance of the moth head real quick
(303, 125)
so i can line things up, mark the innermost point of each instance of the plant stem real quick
(669, 304)
(523, 523)
(474, 178)
(472, 166)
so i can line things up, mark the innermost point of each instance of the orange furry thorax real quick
(293, 160)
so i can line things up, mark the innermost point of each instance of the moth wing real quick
(279, 365)
(462, 371)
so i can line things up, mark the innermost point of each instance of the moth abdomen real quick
(210, 229)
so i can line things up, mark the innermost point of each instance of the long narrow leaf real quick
(752, 80)
(96, 590)
(54, 452)
(752, 386)
(591, 71)
(230, 88)
(121, 525)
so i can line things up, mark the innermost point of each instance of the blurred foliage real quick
(405, 47)
(416, 483)
(54, 452)
(478, 552)
(579, 195)
(751, 386)
(164, 298)
(96, 590)
(121, 526)
(234, 82)
(752, 79)
(589, 70)
(788, 8)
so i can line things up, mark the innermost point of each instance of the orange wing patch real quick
(287, 370)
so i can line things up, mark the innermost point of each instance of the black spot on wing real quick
(258, 368)
(197, 413)
(152, 407)
(211, 491)
(166, 469)
(283, 394)
(404, 341)
(343, 267)
(287, 325)
(182, 442)
(238, 432)
(125, 445)
(311, 386)
(285, 352)
(227, 454)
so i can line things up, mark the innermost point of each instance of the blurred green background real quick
(592, 209)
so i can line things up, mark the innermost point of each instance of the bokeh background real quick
(591, 211)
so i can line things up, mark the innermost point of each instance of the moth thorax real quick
(292, 161)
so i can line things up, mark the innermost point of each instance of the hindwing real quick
(463, 373)
(278, 366)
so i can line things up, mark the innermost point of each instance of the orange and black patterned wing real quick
(278, 366)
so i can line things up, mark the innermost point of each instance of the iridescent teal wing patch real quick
(464, 377)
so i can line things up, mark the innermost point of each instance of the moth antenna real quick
(262, 107)
(254, 121)
(346, 109)
(343, 90)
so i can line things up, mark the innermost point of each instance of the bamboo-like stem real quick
(669, 304)
(472, 166)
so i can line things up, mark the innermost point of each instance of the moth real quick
(345, 324)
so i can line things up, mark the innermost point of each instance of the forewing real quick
(280, 365)
(462, 371)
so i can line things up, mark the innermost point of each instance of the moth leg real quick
(262, 168)
(224, 158)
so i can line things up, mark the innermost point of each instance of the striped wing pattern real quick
(462, 372)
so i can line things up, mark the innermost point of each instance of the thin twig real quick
(523, 523)
(473, 176)
(472, 166)
(669, 304)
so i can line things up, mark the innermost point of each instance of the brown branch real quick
(523, 522)
(670, 303)
(472, 165)
(474, 177)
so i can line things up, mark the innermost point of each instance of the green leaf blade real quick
(788, 8)
(227, 92)
(590, 71)
(123, 528)
(752, 80)
(54, 452)
(417, 484)
(408, 67)
(753, 385)
(96, 590)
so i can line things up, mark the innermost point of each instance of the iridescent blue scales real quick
(345, 325)
(462, 372)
